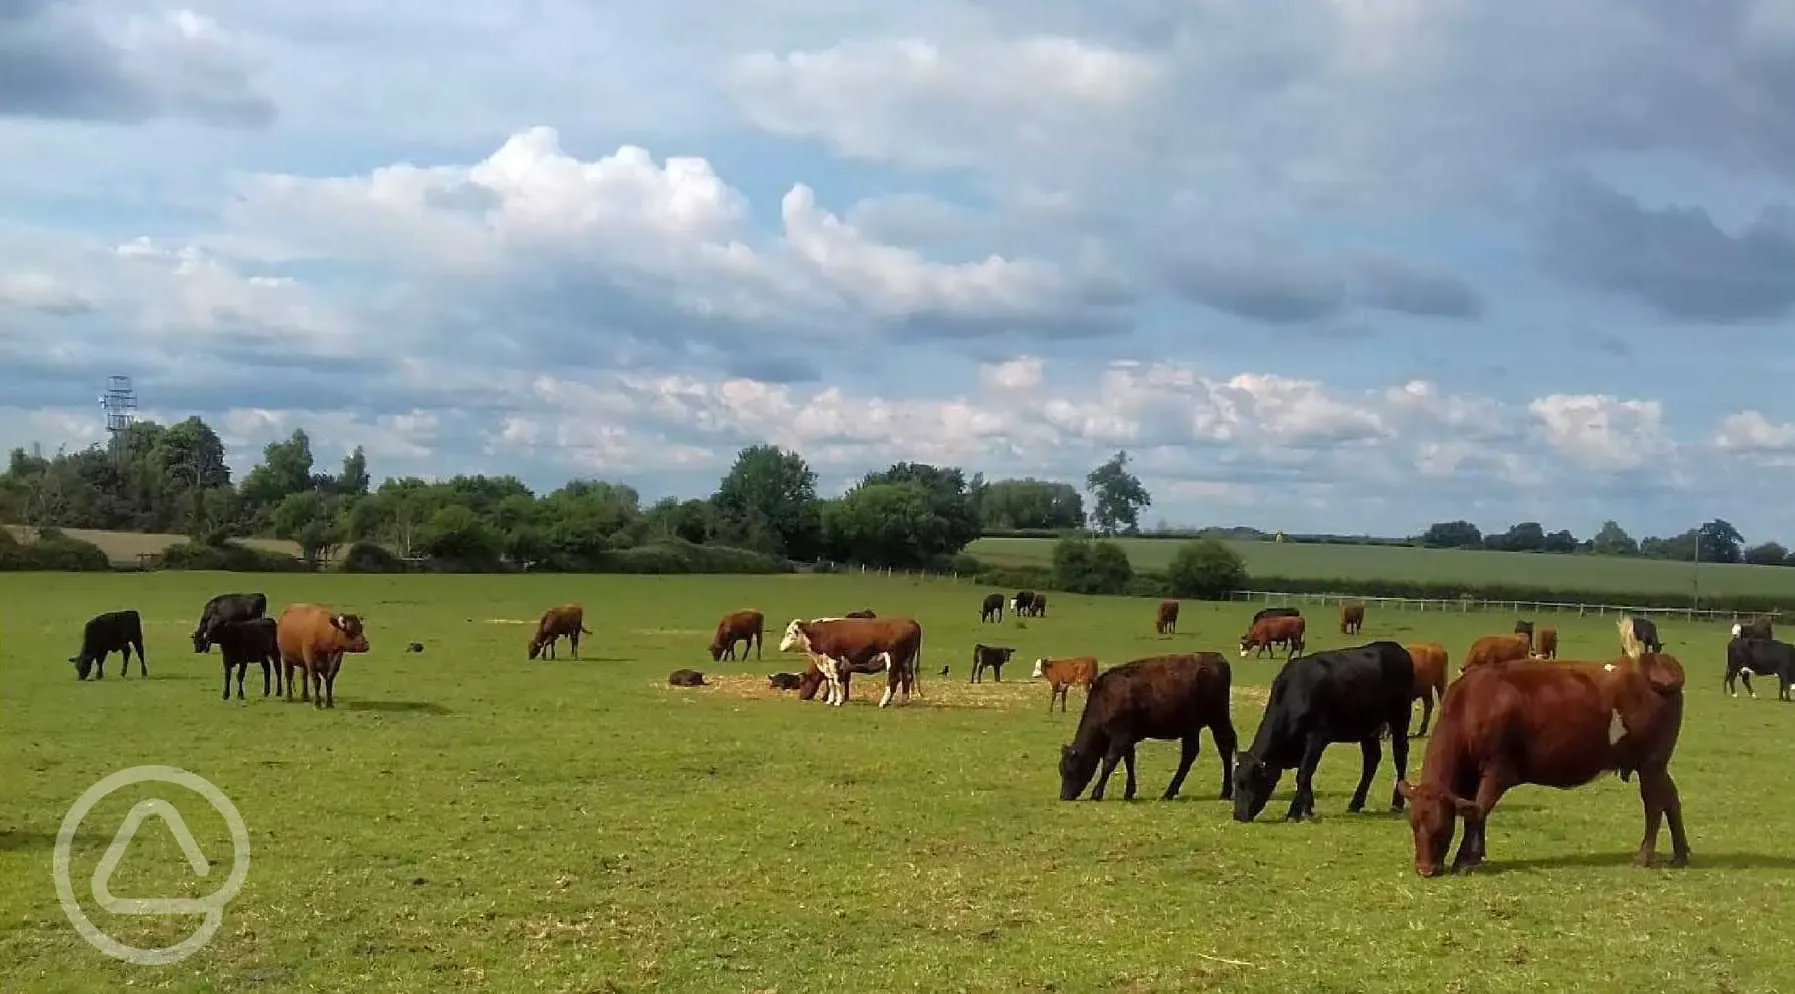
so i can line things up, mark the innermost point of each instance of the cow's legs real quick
(1302, 805)
(227, 681)
(1658, 794)
(330, 688)
(997, 672)
(1111, 757)
(1187, 754)
(573, 639)
(1427, 711)
(1128, 788)
(317, 685)
(1370, 755)
(242, 671)
(1226, 743)
(1399, 754)
(1490, 788)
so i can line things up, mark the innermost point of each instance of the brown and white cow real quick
(1270, 631)
(738, 626)
(856, 645)
(1064, 674)
(313, 640)
(1165, 622)
(566, 619)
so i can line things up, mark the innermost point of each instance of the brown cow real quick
(1159, 697)
(737, 626)
(1556, 725)
(1166, 621)
(1352, 617)
(568, 620)
(856, 644)
(1064, 674)
(1275, 629)
(1430, 660)
(1545, 644)
(1496, 649)
(313, 639)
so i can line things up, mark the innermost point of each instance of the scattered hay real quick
(507, 621)
(673, 632)
(940, 692)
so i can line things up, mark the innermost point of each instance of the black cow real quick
(104, 634)
(1646, 631)
(1275, 612)
(1756, 628)
(1749, 657)
(1342, 695)
(1159, 697)
(226, 608)
(783, 681)
(245, 642)
(1023, 604)
(685, 678)
(991, 657)
(1525, 628)
(992, 608)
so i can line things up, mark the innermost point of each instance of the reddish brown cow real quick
(1545, 644)
(1552, 724)
(1064, 674)
(1160, 697)
(1166, 622)
(1496, 649)
(738, 626)
(1352, 617)
(313, 639)
(1274, 629)
(568, 620)
(855, 644)
(1430, 678)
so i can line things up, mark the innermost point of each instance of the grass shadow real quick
(1589, 860)
(20, 840)
(397, 707)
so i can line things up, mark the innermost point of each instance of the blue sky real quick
(1344, 265)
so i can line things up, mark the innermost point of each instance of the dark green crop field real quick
(467, 820)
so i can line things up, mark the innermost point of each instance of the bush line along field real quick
(1407, 564)
(467, 820)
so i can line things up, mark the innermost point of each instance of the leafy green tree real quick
(956, 523)
(1206, 569)
(1767, 554)
(456, 534)
(1029, 503)
(768, 499)
(886, 524)
(309, 520)
(1613, 540)
(1452, 535)
(1086, 566)
(1119, 497)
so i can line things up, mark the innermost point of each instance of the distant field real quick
(1593, 573)
(125, 547)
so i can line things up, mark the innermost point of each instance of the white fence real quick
(1524, 609)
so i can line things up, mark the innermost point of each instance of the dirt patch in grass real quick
(938, 692)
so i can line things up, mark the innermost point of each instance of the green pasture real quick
(466, 820)
(1405, 563)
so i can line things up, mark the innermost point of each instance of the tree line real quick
(1717, 541)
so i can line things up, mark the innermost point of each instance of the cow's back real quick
(1551, 722)
(299, 628)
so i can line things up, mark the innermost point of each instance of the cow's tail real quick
(1629, 642)
(916, 667)
(584, 630)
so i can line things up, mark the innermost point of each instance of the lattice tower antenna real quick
(120, 405)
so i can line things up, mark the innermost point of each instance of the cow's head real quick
(1736, 629)
(1433, 817)
(350, 627)
(1077, 766)
(1246, 643)
(1254, 780)
(201, 643)
(1003, 654)
(796, 637)
(717, 647)
(83, 666)
(1040, 667)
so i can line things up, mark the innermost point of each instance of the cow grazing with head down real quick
(1039, 610)
(1545, 644)
(104, 634)
(1064, 674)
(1496, 649)
(1430, 661)
(1638, 636)
(1749, 657)
(892, 645)
(1274, 630)
(1556, 725)
(1159, 697)
(313, 640)
(567, 620)
(991, 609)
(1342, 695)
(1023, 604)
(989, 657)
(243, 643)
(1165, 620)
(223, 609)
(737, 626)
(1352, 617)
(1756, 628)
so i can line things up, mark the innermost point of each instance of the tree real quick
(286, 469)
(1528, 536)
(353, 480)
(1452, 535)
(1720, 542)
(1085, 566)
(1206, 569)
(1768, 554)
(769, 496)
(1029, 504)
(455, 533)
(1561, 542)
(886, 524)
(310, 521)
(1613, 540)
(956, 523)
(1119, 497)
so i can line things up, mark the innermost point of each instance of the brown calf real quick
(1160, 697)
(1556, 725)
(312, 640)
(1064, 674)
(737, 626)
(1352, 617)
(1166, 621)
(568, 620)
(1273, 630)
(1430, 678)
(1496, 649)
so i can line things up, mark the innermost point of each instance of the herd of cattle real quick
(1514, 715)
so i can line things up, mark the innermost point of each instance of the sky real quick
(1319, 265)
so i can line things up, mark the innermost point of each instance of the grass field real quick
(466, 820)
(125, 547)
(1582, 573)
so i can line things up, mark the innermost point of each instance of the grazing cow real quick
(1495, 649)
(991, 609)
(1275, 612)
(223, 609)
(1638, 636)
(1165, 622)
(1556, 725)
(991, 657)
(312, 640)
(1749, 657)
(861, 614)
(414, 647)
(1159, 697)
(1545, 645)
(737, 626)
(857, 644)
(783, 681)
(1064, 674)
(1023, 603)
(105, 634)
(1352, 617)
(245, 642)
(685, 678)
(1756, 628)
(1430, 661)
(1273, 630)
(1340, 695)
(568, 620)
(1039, 610)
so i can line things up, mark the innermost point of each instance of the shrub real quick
(673, 556)
(1012, 578)
(52, 551)
(230, 557)
(964, 564)
(1669, 602)
(1206, 569)
(369, 557)
(1083, 566)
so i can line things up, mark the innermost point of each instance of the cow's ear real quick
(1406, 789)
(337, 622)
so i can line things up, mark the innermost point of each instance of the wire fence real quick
(1524, 609)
